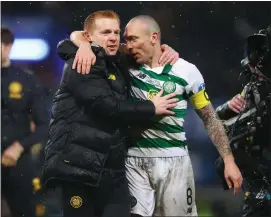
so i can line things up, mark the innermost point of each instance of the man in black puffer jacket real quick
(86, 148)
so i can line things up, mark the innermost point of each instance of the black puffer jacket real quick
(90, 116)
(22, 95)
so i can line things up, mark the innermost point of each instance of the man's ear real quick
(154, 37)
(87, 35)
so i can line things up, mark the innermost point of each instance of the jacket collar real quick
(100, 52)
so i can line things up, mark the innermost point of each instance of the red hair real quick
(90, 20)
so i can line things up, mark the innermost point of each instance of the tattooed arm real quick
(215, 130)
(218, 136)
(198, 97)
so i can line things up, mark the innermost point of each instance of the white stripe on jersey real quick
(154, 134)
(172, 121)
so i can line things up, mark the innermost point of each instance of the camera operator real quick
(248, 114)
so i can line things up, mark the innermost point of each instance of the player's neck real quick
(154, 60)
(6, 63)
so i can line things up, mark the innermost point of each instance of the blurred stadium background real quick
(209, 34)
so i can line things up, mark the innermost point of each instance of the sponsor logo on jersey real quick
(141, 75)
(147, 79)
(151, 94)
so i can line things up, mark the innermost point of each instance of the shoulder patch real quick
(201, 87)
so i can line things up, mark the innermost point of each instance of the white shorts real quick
(161, 186)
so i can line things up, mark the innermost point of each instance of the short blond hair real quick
(151, 23)
(90, 20)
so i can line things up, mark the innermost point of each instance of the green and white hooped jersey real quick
(166, 137)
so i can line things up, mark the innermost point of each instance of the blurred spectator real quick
(21, 96)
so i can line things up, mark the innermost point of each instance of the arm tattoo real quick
(215, 129)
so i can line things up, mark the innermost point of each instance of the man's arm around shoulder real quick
(95, 91)
(66, 49)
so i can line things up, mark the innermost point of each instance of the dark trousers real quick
(112, 200)
(17, 187)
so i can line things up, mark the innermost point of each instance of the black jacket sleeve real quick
(224, 112)
(40, 114)
(96, 93)
(66, 49)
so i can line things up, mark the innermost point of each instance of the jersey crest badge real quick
(169, 87)
(76, 202)
(15, 90)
